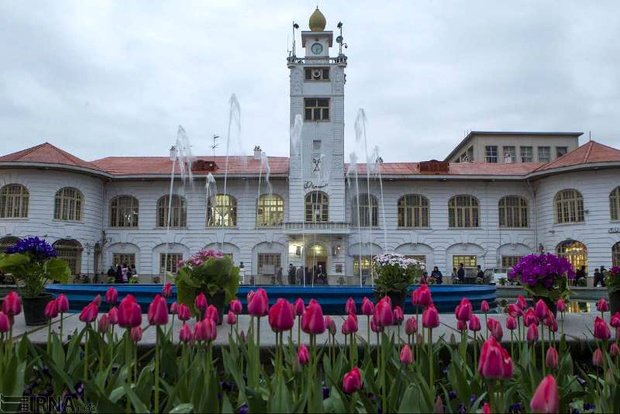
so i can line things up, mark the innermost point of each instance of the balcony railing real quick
(340, 60)
(329, 226)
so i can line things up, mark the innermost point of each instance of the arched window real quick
(513, 212)
(71, 252)
(368, 211)
(568, 207)
(178, 216)
(575, 251)
(124, 211)
(463, 211)
(68, 204)
(317, 207)
(614, 204)
(224, 214)
(269, 210)
(615, 254)
(6, 242)
(413, 211)
(14, 201)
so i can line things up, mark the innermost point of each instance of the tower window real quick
(316, 109)
(316, 144)
(544, 154)
(491, 153)
(317, 74)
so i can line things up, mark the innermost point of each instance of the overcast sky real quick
(117, 78)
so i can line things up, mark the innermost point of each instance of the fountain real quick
(297, 146)
(353, 169)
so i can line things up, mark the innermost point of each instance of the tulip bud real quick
(541, 309)
(495, 363)
(597, 358)
(5, 322)
(158, 311)
(438, 408)
(474, 324)
(406, 356)
(421, 296)
(529, 318)
(601, 330)
(200, 302)
(89, 313)
(464, 310)
(552, 358)
(303, 356)
(104, 323)
(521, 302)
(113, 315)
(352, 381)
(461, 325)
(495, 328)
(532, 333)
(185, 334)
(374, 326)
(51, 309)
(129, 313)
(174, 308)
(167, 290)
(511, 323)
(484, 306)
(259, 304)
(602, 305)
(514, 311)
(212, 314)
(615, 320)
(430, 317)
(136, 333)
(546, 398)
(183, 312)
(411, 326)
(236, 306)
(368, 308)
(111, 296)
(299, 307)
(12, 304)
(63, 303)
(384, 315)
(350, 324)
(281, 316)
(350, 306)
(614, 350)
(97, 300)
(399, 316)
(312, 321)
(486, 409)
(561, 305)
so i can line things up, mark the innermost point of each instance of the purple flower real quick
(544, 270)
(37, 248)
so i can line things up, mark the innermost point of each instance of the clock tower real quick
(316, 169)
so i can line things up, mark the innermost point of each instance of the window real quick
(316, 145)
(71, 252)
(513, 212)
(120, 259)
(68, 204)
(368, 211)
(544, 154)
(269, 211)
(317, 207)
(6, 242)
(527, 154)
(508, 262)
(124, 211)
(463, 211)
(316, 109)
(615, 254)
(269, 263)
(614, 204)
(575, 252)
(178, 218)
(491, 153)
(568, 207)
(413, 211)
(559, 151)
(366, 265)
(469, 262)
(510, 154)
(224, 214)
(14, 201)
(316, 74)
(169, 262)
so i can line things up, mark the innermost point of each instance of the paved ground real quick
(577, 326)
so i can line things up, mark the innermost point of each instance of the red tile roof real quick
(46, 153)
(588, 153)
(456, 168)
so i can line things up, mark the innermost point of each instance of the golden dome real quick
(317, 21)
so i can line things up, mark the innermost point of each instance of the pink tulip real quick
(89, 313)
(97, 300)
(300, 306)
(259, 304)
(167, 290)
(522, 303)
(399, 316)
(51, 309)
(129, 313)
(532, 333)
(514, 311)
(546, 398)
(201, 302)
(374, 326)
(111, 296)
(464, 310)
(368, 308)
(350, 324)
(602, 306)
(312, 321)
(330, 324)
(281, 316)
(495, 328)
(411, 326)
(430, 317)
(541, 309)
(614, 350)
(597, 358)
(461, 325)
(495, 363)
(384, 315)
(136, 333)
(63, 303)
(529, 318)
(601, 330)
(421, 296)
(250, 295)
(185, 334)
(158, 311)
(212, 314)
(511, 323)
(484, 306)
(231, 318)
(12, 304)
(350, 306)
(561, 305)
(553, 327)
(5, 322)
(205, 330)
(104, 323)
(174, 308)
(474, 324)
(183, 312)
(303, 356)
(486, 409)
(552, 359)
(549, 320)
(406, 356)
(615, 320)
(352, 381)
(236, 306)
(113, 315)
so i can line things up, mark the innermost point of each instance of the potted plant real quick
(612, 280)
(33, 263)
(395, 273)
(209, 272)
(544, 276)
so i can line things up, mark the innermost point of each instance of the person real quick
(112, 271)
(436, 274)
(119, 274)
(460, 274)
(279, 277)
(580, 274)
(603, 272)
(292, 273)
(124, 273)
(424, 278)
(242, 273)
(479, 273)
(321, 276)
(599, 277)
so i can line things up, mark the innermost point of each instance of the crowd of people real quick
(122, 274)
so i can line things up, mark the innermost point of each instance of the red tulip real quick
(183, 312)
(553, 327)
(250, 295)
(281, 316)
(136, 333)
(514, 311)
(51, 309)
(302, 355)
(461, 325)
(399, 316)
(546, 398)
(495, 363)
(411, 326)
(601, 330)
(330, 324)
(614, 350)
(406, 356)
(541, 309)
(89, 313)
(552, 359)
(486, 409)
(63, 303)
(352, 381)
(549, 320)
(602, 305)
(521, 302)
(368, 308)
(312, 321)
(474, 324)
(350, 324)
(532, 333)
(597, 358)
(167, 290)
(236, 306)
(129, 313)
(201, 302)
(615, 320)
(158, 311)
(111, 296)
(384, 315)
(104, 323)
(12, 304)
(484, 306)
(5, 322)
(185, 334)
(529, 318)
(511, 323)
(113, 315)
(430, 317)
(174, 308)
(205, 330)
(374, 326)
(350, 306)
(421, 296)
(259, 304)
(212, 314)
(561, 305)
(300, 306)
(495, 328)
(464, 310)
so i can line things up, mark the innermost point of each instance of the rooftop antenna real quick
(295, 27)
(215, 144)
(340, 39)
(590, 135)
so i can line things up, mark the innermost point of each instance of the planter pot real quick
(397, 298)
(219, 301)
(34, 309)
(553, 307)
(614, 301)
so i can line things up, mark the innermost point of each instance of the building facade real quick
(497, 197)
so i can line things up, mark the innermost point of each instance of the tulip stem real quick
(298, 330)
(61, 337)
(368, 332)
(475, 355)
(156, 407)
(542, 344)
(512, 348)
(430, 359)
(486, 324)
(49, 335)
(86, 353)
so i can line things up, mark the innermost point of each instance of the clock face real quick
(316, 48)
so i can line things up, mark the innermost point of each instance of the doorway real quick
(316, 264)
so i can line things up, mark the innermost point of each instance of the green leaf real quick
(183, 408)
(58, 269)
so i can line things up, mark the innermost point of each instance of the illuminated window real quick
(178, 218)
(68, 204)
(124, 211)
(317, 207)
(269, 263)
(224, 214)
(508, 262)
(169, 262)
(568, 207)
(368, 211)
(469, 262)
(576, 253)
(513, 212)
(366, 265)
(463, 211)
(413, 211)
(614, 204)
(120, 259)
(14, 201)
(269, 211)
